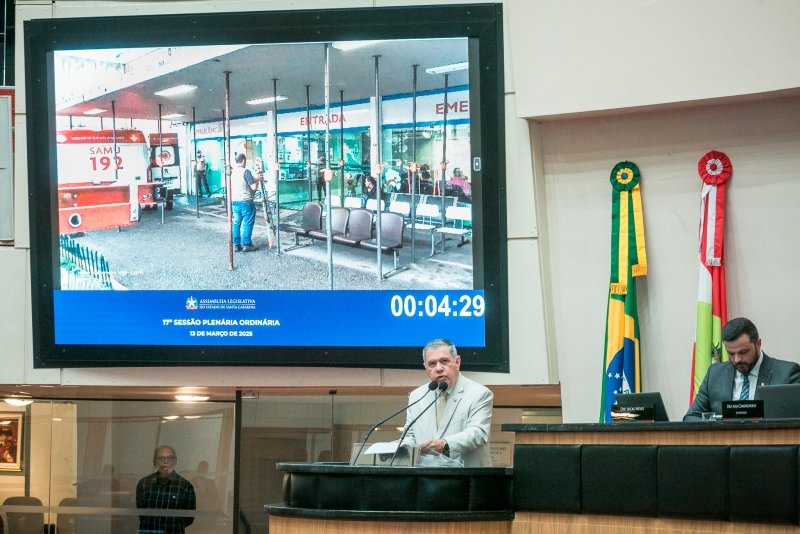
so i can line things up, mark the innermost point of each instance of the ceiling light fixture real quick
(19, 402)
(177, 90)
(173, 116)
(352, 45)
(266, 100)
(95, 111)
(191, 398)
(453, 67)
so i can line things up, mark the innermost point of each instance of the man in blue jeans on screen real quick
(243, 189)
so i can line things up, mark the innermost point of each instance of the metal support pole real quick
(163, 185)
(308, 143)
(194, 166)
(341, 143)
(277, 164)
(227, 139)
(114, 139)
(327, 172)
(414, 172)
(378, 164)
(444, 152)
(158, 164)
(160, 148)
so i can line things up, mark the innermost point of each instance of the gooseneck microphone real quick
(433, 385)
(440, 387)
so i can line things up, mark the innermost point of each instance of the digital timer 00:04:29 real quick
(433, 306)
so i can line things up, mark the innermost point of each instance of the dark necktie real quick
(745, 394)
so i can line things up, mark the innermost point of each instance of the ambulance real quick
(103, 179)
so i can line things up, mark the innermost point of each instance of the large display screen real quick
(369, 217)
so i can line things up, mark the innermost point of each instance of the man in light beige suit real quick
(459, 423)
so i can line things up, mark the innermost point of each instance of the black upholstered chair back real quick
(312, 216)
(741, 483)
(359, 224)
(25, 522)
(392, 225)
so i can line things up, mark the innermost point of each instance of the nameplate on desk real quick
(739, 409)
(631, 414)
(385, 454)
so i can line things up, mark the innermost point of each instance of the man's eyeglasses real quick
(165, 459)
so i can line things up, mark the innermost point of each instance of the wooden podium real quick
(339, 498)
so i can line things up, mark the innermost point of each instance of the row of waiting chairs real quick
(457, 221)
(22, 521)
(391, 198)
(351, 227)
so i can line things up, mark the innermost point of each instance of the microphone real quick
(440, 387)
(431, 387)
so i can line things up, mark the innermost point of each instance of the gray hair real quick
(437, 343)
(162, 447)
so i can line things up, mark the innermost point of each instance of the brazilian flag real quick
(622, 360)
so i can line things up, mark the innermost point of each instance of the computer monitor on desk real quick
(643, 400)
(781, 401)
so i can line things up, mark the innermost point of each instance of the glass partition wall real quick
(75, 464)
(80, 461)
(324, 428)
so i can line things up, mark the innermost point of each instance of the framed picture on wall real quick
(11, 441)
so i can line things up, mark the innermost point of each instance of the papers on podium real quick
(381, 453)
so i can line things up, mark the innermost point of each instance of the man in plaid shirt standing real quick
(165, 489)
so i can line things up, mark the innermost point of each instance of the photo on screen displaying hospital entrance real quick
(143, 145)
(234, 194)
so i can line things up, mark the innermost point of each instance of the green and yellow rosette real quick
(628, 253)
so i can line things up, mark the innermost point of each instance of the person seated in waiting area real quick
(391, 181)
(746, 368)
(425, 181)
(458, 179)
(370, 190)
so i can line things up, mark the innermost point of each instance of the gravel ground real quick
(191, 252)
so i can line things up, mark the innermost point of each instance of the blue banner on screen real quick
(270, 318)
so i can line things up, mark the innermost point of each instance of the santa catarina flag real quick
(622, 359)
(715, 170)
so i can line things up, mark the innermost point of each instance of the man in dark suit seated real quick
(725, 380)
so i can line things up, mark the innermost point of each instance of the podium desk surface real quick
(392, 515)
(721, 432)
(344, 468)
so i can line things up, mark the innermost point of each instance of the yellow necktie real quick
(440, 408)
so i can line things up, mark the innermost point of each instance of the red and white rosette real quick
(715, 168)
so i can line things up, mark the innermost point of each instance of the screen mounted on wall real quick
(273, 188)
